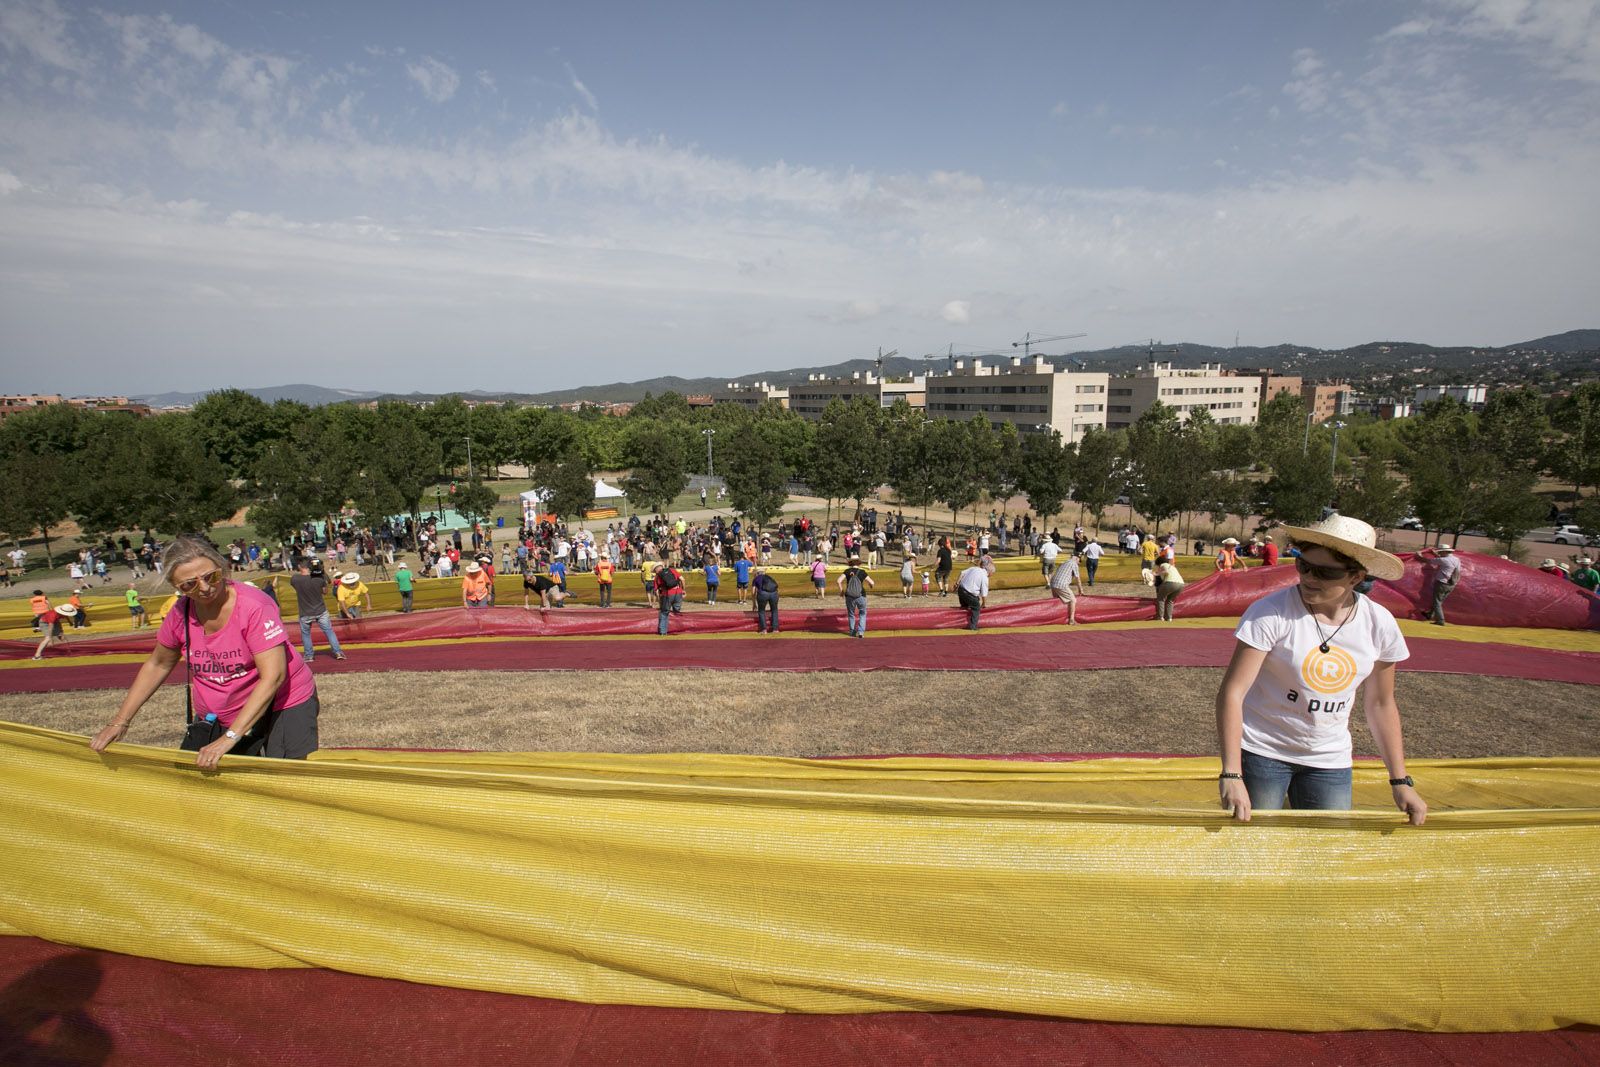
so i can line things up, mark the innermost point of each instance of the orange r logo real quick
(1333, 671)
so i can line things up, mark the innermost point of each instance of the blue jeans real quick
(1269, 781)
(767, 603)
(327, 628)
(856, 609)
(1089, 567)
(671, 603)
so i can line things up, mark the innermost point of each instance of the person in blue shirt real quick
(713, 578)
(558, 573)
(741, 575)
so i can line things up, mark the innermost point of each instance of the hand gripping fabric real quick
(1103, 889)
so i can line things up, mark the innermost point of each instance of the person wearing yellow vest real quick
(604, 575)
(474, 587)
(1228, 556)
(351, 589)
(1148, 551)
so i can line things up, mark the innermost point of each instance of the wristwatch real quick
(1403, 781)
(231, 736)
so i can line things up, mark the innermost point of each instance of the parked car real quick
(1572, 535)
(1410, 522)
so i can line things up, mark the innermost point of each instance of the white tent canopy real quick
(602, 491)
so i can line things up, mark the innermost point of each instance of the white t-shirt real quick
(1298, 710)
(1048, 551)
(1092, 550)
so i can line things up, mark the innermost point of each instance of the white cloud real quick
(957, 312)
(39, 28)
(1310, 82)
(437, 80)
(1562, 35)
(582, 89)
(1061, 110)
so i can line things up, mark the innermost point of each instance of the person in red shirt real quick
(1269, 553)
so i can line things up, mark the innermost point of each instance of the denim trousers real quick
(856, 609)
(1090, 565)
(767, 612)
(1269, 781)
(973, 604)
(326, 624)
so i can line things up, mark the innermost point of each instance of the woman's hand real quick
(1408, 800)
(210, 755)
(1235, 798)
(109, 733)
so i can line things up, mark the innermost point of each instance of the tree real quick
(957, 480)
(568, 485)
(185, 489)
(1574, 457)
(1301, 485)
(756, 473)
(448, 422)
(849, 460)
(910, 468)
(1044, 473)
(1373, 495)
(1159, 467)
(543, 435)
(36, 496)
(491, 427)
(1003, 460)
(234, 426)
(397, 466)
(1097, 473)
(475, 500)
(660, 467)
(305, 476)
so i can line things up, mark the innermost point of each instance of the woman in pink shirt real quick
(241, 665)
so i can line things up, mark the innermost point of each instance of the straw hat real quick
(474, 568)
(66, 609)
(1230, 540)
(1548, 563)
(402, 566)
(1353, 538)
(350, 578)
(1444, 548)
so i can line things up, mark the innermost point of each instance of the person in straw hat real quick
(1445, 570)
(50, 626)
(351, 591)
(1228, 555)
(1552, 568)
(1283, 711)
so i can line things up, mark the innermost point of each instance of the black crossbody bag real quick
(198, 733)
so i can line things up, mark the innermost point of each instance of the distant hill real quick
(314, 395)
(1375, 359)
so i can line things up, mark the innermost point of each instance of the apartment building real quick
(751, 395)
(1030, 394)
(1272, 383)
(1324, 400)
(1232, 401)
(17, 403)
(811, 398)
(1473, 396)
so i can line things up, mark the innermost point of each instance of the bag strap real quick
(188, 678)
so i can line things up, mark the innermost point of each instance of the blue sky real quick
(526, 196)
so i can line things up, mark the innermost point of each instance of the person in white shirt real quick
(1283, 711)
(1091, 559)
(1048, 551)
(972, 589)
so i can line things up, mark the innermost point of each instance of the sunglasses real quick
(1320, 572)
(210, 579)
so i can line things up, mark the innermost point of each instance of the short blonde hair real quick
(186, 549)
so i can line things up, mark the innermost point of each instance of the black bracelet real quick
(1403, 781)
(1230, 774)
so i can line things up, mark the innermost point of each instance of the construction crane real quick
(882, 355)
(1151, 351)
(1028, 341)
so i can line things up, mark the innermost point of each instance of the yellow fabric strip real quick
(1107, 889)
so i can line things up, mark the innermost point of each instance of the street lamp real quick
(468, 439)
(1333, 461)
(709, 434)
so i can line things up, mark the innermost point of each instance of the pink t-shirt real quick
(223, 665)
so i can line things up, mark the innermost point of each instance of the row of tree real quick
(1453, 468)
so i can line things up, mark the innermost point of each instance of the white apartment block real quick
(752, 395)
(1028, 393)
(1471, 395)
(1232, 400)
(810, 398)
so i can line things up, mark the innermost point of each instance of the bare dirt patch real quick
(1165, 710)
